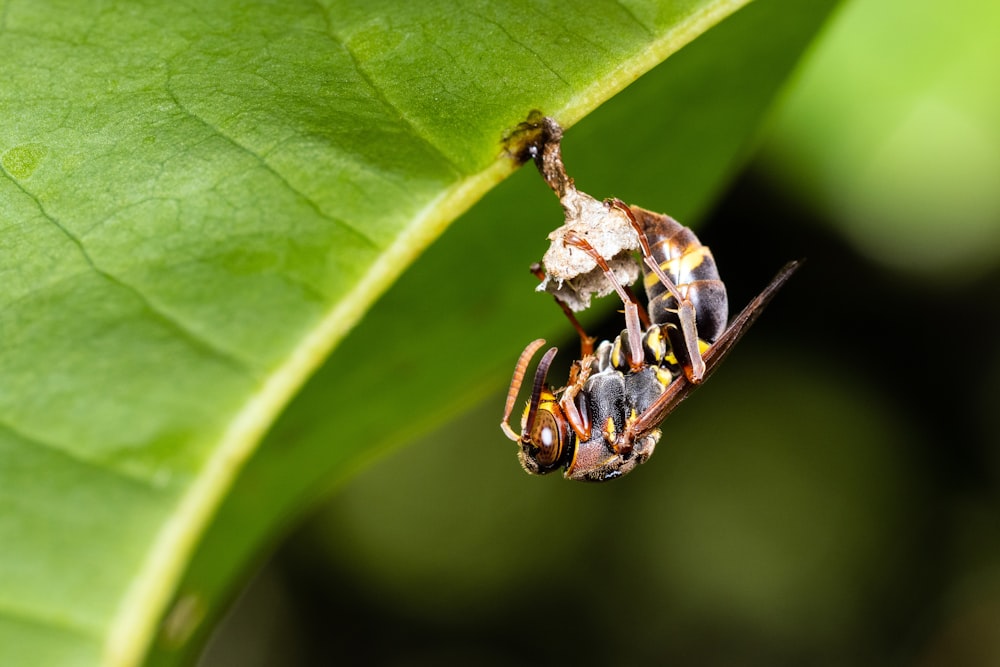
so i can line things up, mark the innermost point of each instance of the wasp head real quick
(545, 435)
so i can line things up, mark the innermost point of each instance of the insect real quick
(606, 420)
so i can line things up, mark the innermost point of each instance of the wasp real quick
(606, 420)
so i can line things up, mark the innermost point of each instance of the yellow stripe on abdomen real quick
(679, 266)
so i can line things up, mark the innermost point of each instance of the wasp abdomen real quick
(691, 267)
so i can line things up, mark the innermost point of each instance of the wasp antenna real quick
(536, 389)
(515, 386)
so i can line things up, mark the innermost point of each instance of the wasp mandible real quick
(606, 420)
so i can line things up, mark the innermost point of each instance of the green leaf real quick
(908, 172)
(197, 203)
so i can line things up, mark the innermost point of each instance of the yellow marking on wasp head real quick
(609, 430)
(546, 401)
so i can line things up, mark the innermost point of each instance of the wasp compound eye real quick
(546, 435)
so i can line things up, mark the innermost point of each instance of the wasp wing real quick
(680, 388)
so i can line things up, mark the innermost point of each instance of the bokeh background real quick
(831, 497)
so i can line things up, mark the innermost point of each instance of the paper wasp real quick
(606, 420)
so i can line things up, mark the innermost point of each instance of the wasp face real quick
(546, 436)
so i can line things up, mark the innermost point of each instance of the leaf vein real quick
(262, 161)
(631, 14)
(379, 93)
(524, 46)
(76, 457)
(23, 615)
(169, 321)
(556, 20)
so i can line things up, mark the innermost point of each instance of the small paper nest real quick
(572, 275)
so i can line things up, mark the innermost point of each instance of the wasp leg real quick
(515, 386)
(643, 314)
(680, 388)
(685, 309)
(632, 323)
(586, 342)
(576, 413)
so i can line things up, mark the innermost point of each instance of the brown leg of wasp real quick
(632, 324)
(515, 386)
(685, 309)
(643, 315)
(577, 416)
(586, 342)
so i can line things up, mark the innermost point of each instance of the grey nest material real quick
(571, 274)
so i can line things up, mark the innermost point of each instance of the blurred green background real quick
(830, 498)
